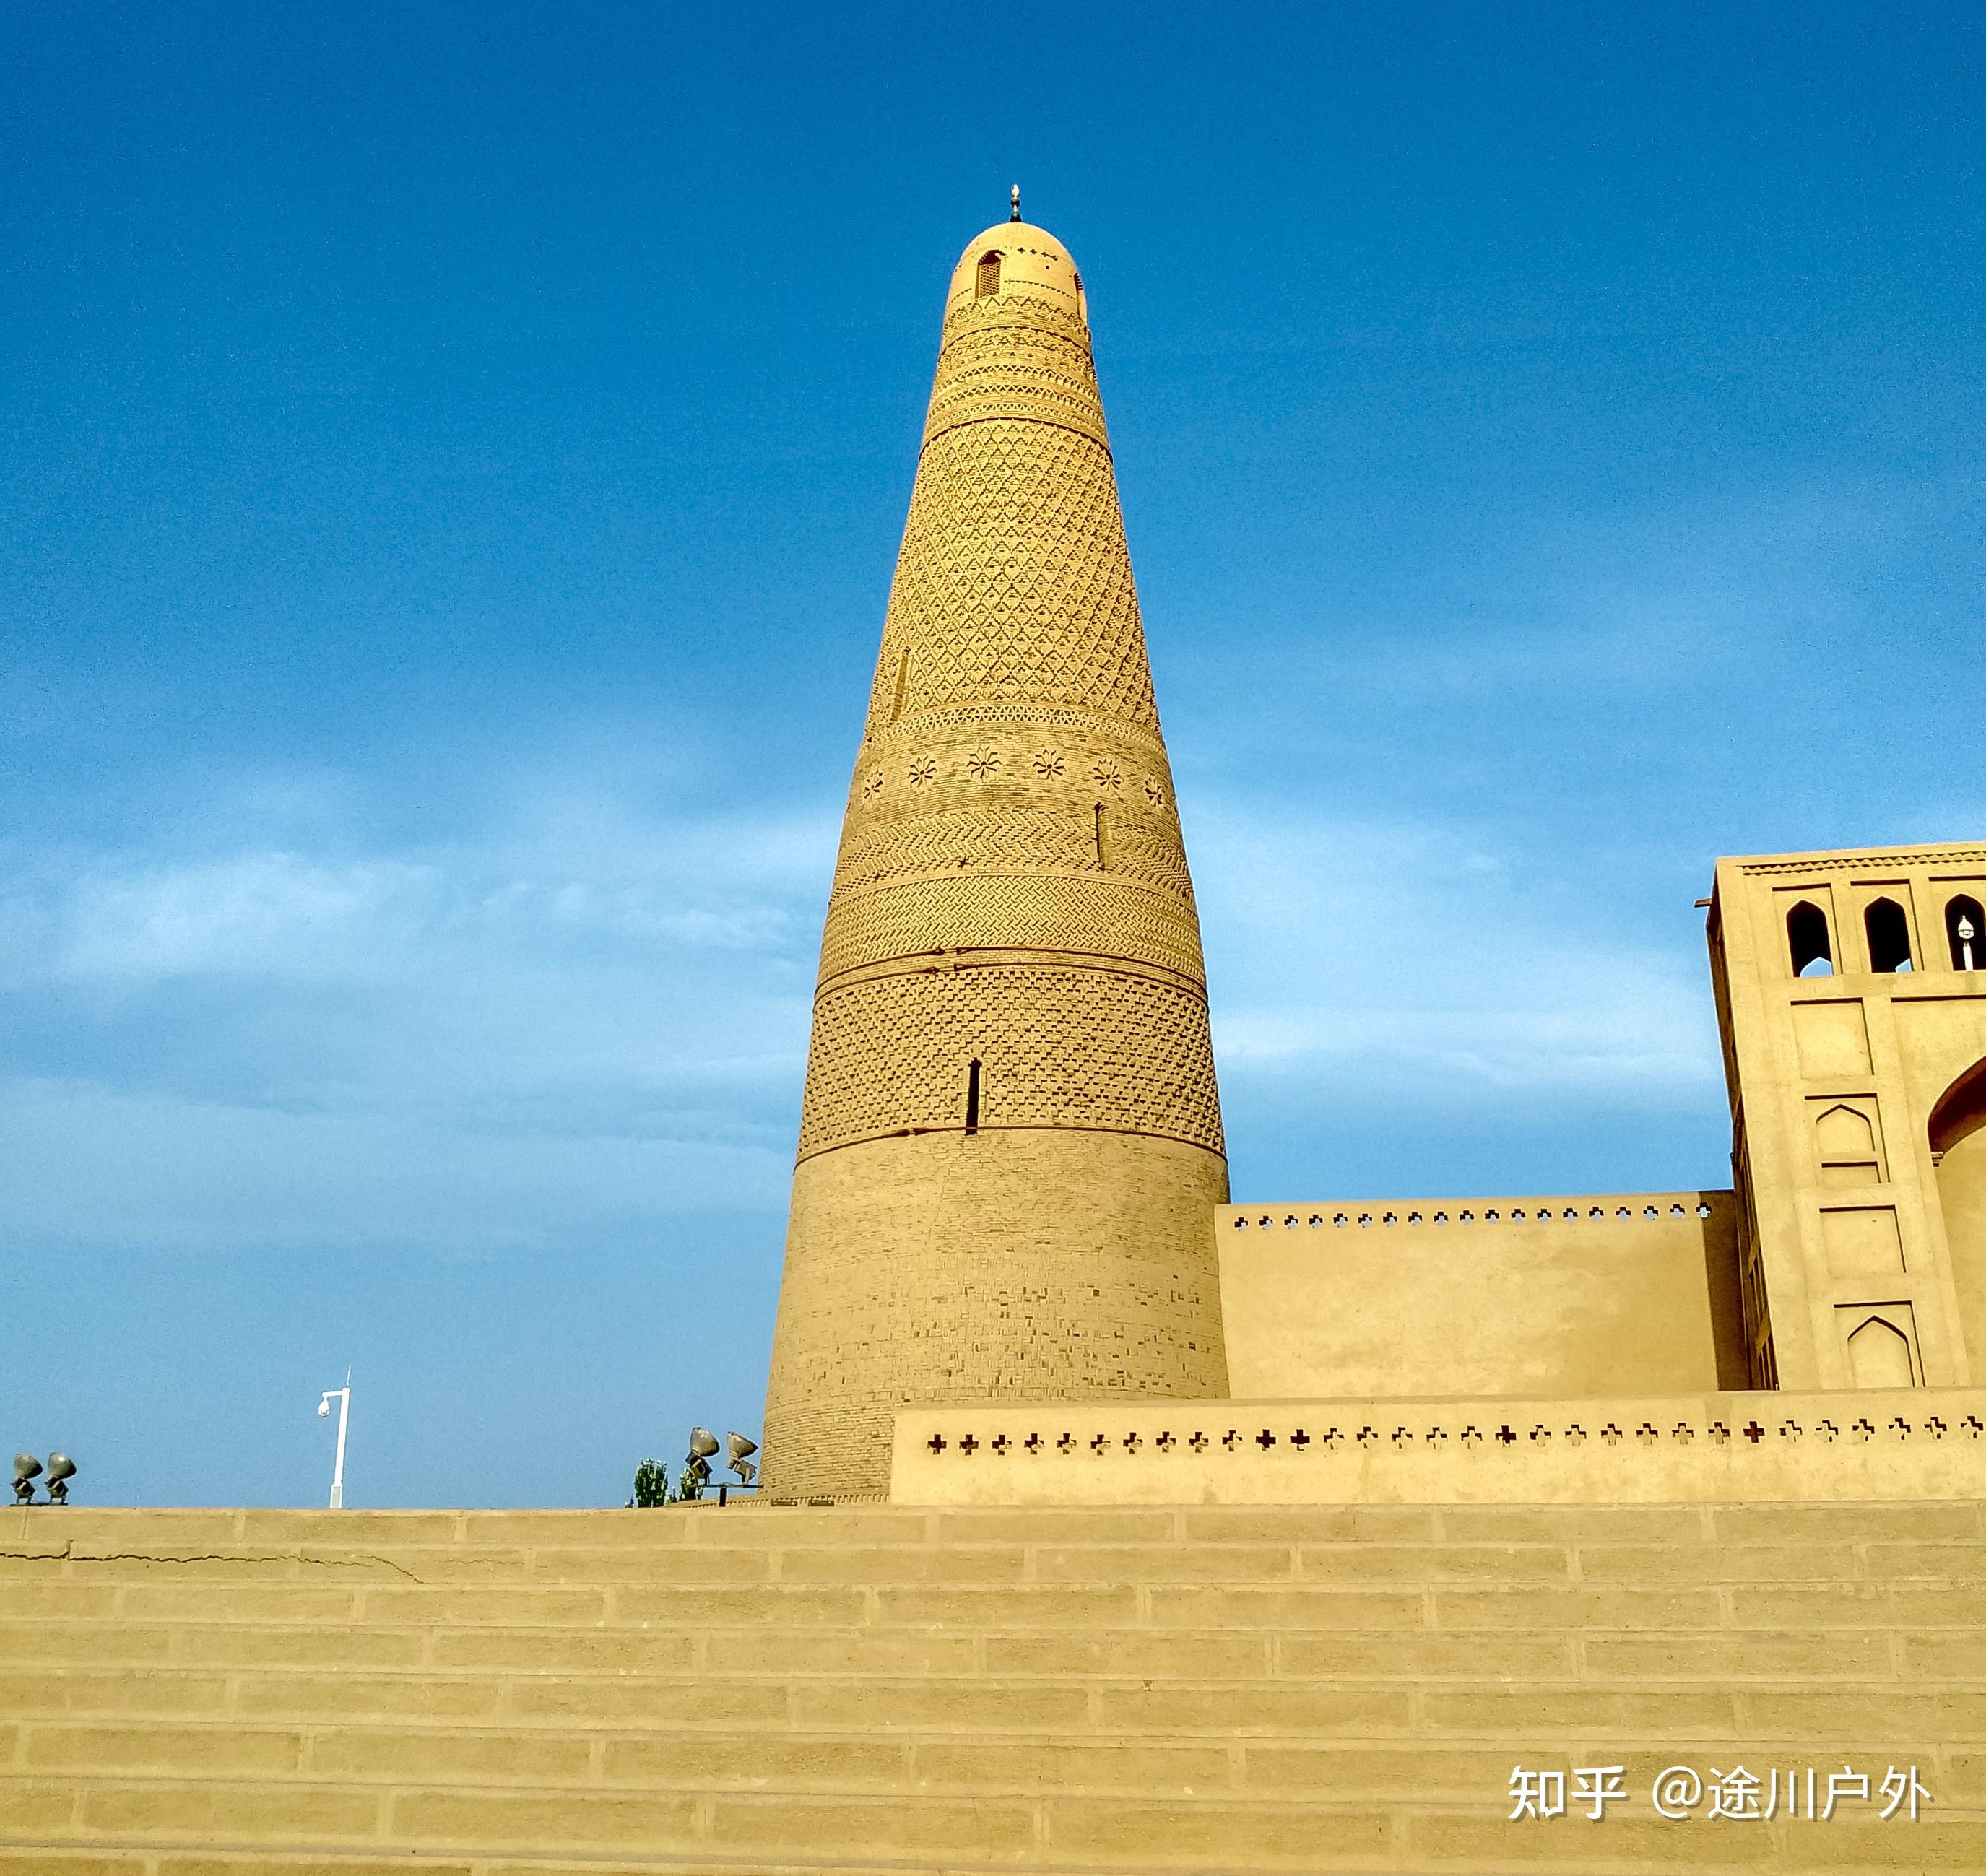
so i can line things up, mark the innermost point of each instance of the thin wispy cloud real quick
(1417, 958)
(588, 1016)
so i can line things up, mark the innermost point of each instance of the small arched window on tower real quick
(1082, 304)
(1889, 936)
(989, 272)
(972, 1096)
(1965, 925)
(1806, 934)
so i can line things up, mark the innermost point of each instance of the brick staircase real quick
(859, 1690)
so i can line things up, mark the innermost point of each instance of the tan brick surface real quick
(948, 1692)
(1255, 1835)
(429, 1755)
(210, 1751)
(786, 1761)
(622, 1649)
(275, 1814)
(1818, 1655)
(1168, 1769)
(1285, 1609)
(1237, 1711)
(510, 1821)
(987, 1830)
(840, 1651)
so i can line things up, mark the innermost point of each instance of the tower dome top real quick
(1016, 257)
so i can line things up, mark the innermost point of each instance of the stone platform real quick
(1226, 1689)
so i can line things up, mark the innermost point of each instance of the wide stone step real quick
(424, 1825)
(1785, 1708)
(51, 1859)
(1461, 1765)
(1637, 1655)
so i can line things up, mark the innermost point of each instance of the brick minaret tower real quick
(1010, 1142)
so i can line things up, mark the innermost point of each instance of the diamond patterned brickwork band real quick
(1013, 585)
(1010, 1144)
(1063, 1046)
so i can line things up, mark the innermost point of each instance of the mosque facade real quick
(1011, 1186)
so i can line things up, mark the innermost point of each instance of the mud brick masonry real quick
(1110, 1525)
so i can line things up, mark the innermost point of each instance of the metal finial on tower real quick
(1015, 213)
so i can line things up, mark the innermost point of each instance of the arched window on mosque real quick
(1806, 934)
(1889, 932)
(989, 272)
(1965, 927)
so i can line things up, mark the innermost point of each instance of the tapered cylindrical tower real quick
(1010, 1142)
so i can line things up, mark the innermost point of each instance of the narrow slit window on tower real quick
(989, 272)
(1889, 936)
(972, 1096)
(1965, 925)
(1102, 839)
(903, 678)
(1806, 934)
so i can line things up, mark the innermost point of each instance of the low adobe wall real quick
(1907, 1443)
(1566, 1297)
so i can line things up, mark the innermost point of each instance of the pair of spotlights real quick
(28, 1469)
(703, 1449)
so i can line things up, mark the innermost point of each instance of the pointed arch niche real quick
(1965, 932)
(1812, 950)
(1957, 1129)
(1845, 1141)
(1887, 926)
(1879, 1354)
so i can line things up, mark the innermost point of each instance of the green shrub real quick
(652, 1484)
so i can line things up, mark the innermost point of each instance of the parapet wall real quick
(1570, 1296)
(1912, 1443)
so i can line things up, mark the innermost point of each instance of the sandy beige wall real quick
(1572, 1296)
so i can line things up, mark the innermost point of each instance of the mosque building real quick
(1637, 1532)
(1011, 1185)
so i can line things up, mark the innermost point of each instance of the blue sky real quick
(454, 461)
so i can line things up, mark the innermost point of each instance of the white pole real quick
(343, 1396)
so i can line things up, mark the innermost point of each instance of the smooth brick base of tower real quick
(1332, 1688)
(1072, 1247)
